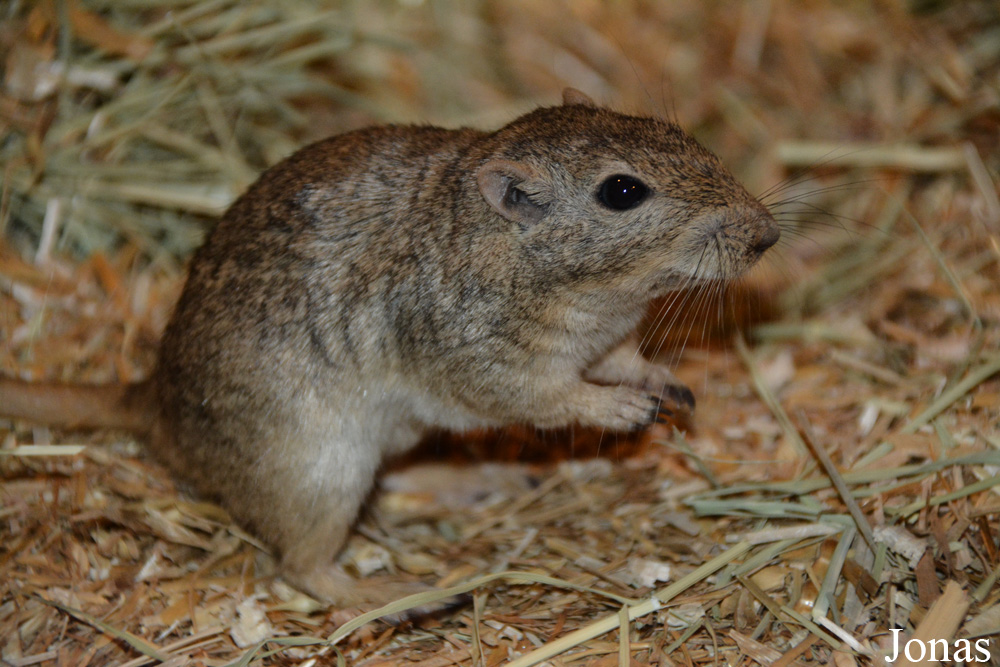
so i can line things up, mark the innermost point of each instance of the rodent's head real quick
(633, 202)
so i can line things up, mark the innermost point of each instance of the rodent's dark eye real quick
(621, 192)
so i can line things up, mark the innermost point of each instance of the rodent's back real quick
(287, 299)
(310, 242)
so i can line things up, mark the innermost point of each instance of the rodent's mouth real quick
(675, 280)
(720, 265)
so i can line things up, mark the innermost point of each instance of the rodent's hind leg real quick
(309, 566)
(318, 508)
(626, 365)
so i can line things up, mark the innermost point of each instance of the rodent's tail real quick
(125, 406)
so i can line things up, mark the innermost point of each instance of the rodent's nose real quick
(767, 236)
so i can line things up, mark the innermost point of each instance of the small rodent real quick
(394, 279)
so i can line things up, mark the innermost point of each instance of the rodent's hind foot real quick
(424, 609)
(334, 587)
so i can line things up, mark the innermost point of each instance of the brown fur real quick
(394, 279)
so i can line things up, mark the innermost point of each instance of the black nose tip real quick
(767, 236)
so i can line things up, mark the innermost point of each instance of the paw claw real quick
(662, 414)
(680, 396)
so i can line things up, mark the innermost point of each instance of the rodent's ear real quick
(574, 96)
(507, 186)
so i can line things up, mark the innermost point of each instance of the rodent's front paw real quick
(620, 408)
(636, 410)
